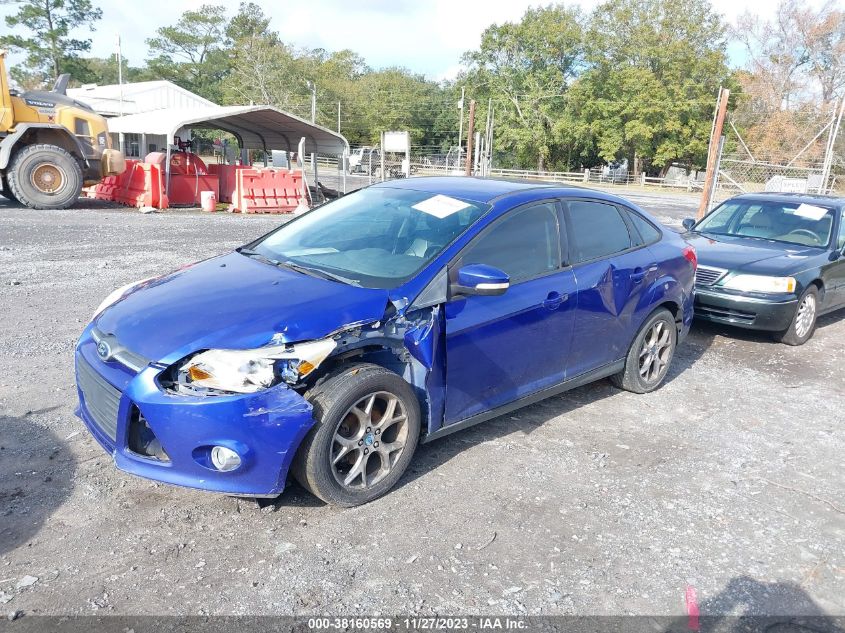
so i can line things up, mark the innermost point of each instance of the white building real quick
(137, 98)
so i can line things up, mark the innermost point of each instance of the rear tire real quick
(650, 355)
(45, 177)
(366, 431)
(804, 321)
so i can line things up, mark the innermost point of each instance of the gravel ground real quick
(728, 479)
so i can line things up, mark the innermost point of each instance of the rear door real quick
(612, 265)
(499, 349)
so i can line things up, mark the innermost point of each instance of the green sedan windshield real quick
(790, 222)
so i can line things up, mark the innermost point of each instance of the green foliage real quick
(632, 79)
(103, 70)
(526, 67)
(654, 69)
(264, 70)
(193, 52)
(635, 79)
(47, 43)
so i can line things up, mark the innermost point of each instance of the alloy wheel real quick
(655, 352)
(369, 440)
(806, 316)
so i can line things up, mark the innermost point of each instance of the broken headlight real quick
(248, 371)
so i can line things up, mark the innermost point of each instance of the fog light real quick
(224, 459)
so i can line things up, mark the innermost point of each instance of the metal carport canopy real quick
(256, 127)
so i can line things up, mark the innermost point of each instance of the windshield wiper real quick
(248, 252)
(318, 272)
(305, 270)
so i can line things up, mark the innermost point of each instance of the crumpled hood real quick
(749, 255)
(234, 302)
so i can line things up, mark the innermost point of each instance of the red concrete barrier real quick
(267, 190)
(249, 189)
(226, 179)
(140, 185)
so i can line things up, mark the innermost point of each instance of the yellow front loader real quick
(51, 145)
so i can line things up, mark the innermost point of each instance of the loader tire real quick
(6, 193)
(44, 177)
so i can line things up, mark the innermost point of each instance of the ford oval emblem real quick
(103, 350)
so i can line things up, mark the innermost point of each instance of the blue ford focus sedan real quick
(329, 348)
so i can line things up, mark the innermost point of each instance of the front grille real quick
(101, 399)
(117, 352)
(738, 316)
(708, 275)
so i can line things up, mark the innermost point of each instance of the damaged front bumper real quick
(127, 412)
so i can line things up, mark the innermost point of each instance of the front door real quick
(835, 273)
(499, 349)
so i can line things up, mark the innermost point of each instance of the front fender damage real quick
(409, 343)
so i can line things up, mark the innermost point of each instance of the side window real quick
(524, 244)
(646, 229)
(840, 241)
(597, 230)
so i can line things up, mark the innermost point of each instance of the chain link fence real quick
(794, 150)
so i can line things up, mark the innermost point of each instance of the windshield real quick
(796, 223)
(376, 237)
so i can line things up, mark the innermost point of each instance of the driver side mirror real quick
(688, 223)
(479, 279)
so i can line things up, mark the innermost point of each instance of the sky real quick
(425, 36)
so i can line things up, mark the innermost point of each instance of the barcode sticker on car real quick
(811, 212)
(440, 206)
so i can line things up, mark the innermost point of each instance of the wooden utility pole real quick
(711, 176)
(470, 132)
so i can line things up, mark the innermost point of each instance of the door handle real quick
(554, 300)
(639, 273)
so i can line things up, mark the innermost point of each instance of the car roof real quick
(489, 189)
(475, 189)
(809, 198)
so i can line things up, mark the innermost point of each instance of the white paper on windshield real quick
(811, 212)
(440, 206)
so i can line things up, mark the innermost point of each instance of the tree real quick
(826, 43)
(654, 68)
(103, 71)
(797, 56)
(50, 50)
(527, 67)
(795, 71)
(193, 53)
(391, 99)
(260, 63)
(263, 72)
(249, 24)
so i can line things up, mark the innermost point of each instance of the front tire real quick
(804, 321)
(366, 431)
(45, 177)
(6, 193)
(650, 355)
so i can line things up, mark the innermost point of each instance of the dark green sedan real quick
(772, 262)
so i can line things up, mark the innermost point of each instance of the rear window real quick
(597, 230)
(646, 229)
